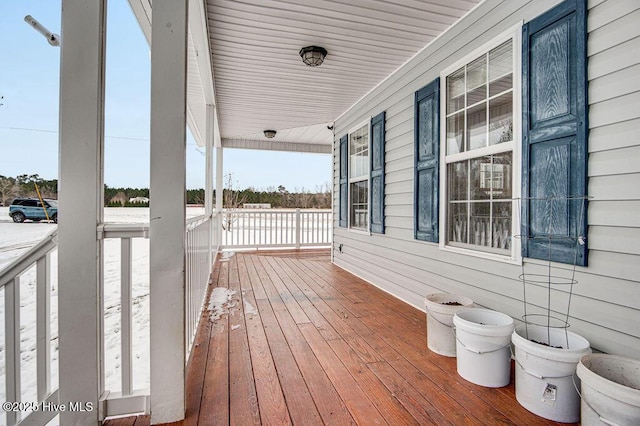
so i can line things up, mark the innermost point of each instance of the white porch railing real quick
(128, 400)
(276, 228)
(39, 255)
(199, 265)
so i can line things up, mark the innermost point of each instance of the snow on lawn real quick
(17, 238)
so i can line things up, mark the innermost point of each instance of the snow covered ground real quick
(17, 238)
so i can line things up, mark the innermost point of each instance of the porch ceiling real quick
(260, 81)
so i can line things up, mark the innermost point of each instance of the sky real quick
(29, 80)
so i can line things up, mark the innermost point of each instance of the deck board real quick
(273, 408)
(243, 398)
(307, 343)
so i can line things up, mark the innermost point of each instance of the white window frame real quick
(515, 256)
(363, 178)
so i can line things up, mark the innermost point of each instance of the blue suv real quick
(32, 209)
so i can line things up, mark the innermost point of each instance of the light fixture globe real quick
(313, 55)
(269, 134)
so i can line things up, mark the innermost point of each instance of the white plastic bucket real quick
(610, 390)
(483, 346)
(440, 337)
(545, 375)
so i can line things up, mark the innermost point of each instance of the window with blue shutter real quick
(376, 177)
(344, 182)
(555, 127)
(427, 157)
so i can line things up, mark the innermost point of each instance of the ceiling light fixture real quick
(269, 134)
(313, 55)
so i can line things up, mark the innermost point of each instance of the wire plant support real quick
(559, 278)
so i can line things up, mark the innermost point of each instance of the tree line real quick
(277, 197)
(24, 186)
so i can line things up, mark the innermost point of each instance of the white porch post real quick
(167, 209)
(81, 199)
(219, 179)
(208, 188)
(219, 189)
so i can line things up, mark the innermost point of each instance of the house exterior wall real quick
(605, 307)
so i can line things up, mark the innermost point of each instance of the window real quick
(478, 145)
(359, 178)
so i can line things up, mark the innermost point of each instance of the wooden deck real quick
(307, 343)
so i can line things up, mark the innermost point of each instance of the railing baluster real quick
(298, 230)
(43, 326)
(125, 316)
(12, 345)
(288, 218)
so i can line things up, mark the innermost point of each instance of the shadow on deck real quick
(305, 343)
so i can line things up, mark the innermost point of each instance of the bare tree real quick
(323, 194)
(232, 199)
(301, 198)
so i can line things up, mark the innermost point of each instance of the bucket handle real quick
(476, 351)
(436, 319)
(602, 419)
(537, 376)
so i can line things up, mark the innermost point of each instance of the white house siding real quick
(606, 304)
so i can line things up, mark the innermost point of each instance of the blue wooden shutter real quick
(427, 158)
(344, 182)
(554, 145)
(376, 177)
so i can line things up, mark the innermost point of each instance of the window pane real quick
(458, 222)
(359, 152)
(477, 80)
(480, 178)
(501, 176)
(480, 224)
(500, 69)
(501, 225)
(500, 85)
(455, 133)
(455, 91)
(500, 61)
(501, 119)
(360, 205)
(477, 126)
(457, 180)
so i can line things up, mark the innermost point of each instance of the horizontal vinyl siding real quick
(605, 307)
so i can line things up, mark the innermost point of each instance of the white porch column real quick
(219, 179)
(81, 199)
(208, 187)
(167, 208)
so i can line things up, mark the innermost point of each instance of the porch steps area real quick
(307, 343)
